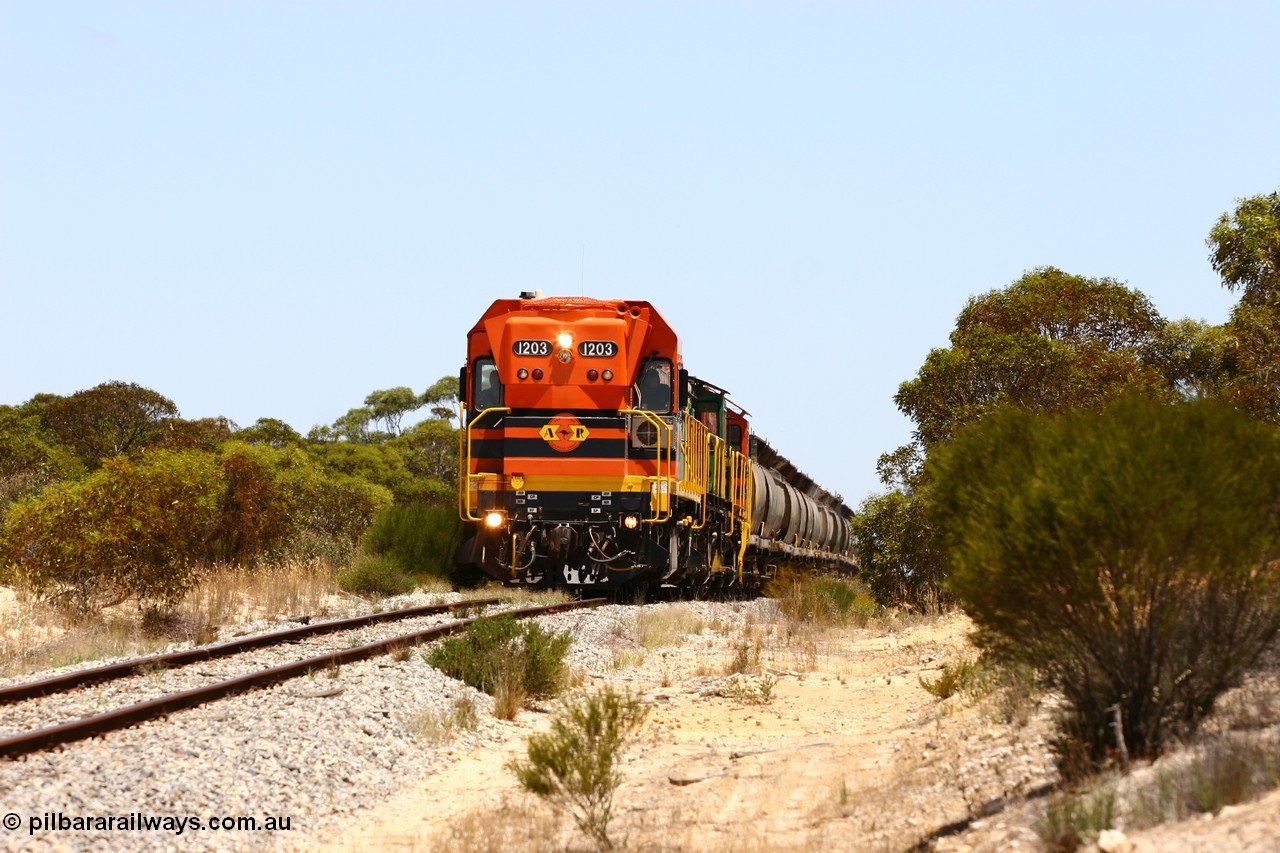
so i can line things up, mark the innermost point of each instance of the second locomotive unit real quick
(590, 457)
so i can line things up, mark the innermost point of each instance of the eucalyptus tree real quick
(1245, 251)
(108, 420)
(390, 406)
(1049, 342)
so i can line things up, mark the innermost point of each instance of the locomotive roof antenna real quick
(582, 282)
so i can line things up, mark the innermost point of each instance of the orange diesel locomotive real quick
(590, 457)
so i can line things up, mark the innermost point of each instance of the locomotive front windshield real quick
(655, 386)
(486, 392)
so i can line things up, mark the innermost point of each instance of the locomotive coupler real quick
(562, 539)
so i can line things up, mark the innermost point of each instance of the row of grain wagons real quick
(786, 520)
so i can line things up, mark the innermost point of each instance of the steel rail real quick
(121, 718)
(124, 669)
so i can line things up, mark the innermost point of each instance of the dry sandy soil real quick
(848, 753)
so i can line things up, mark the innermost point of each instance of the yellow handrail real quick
(664, 482)
(749, 498)
(694, 435)
(464, 462)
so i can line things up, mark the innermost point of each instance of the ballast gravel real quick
(311, 754)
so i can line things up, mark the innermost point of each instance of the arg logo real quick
(564, 432)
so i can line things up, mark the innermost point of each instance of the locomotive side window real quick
(656, 386)
(708, 412)
(486, 391)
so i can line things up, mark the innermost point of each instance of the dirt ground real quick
(832, 743)
(848, 753)
(853, 755)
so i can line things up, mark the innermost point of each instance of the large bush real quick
(897, 557)
(1132, 557)
(276, 495)
(258, 509)
(137, 528)
(422, 539)
(336, 505)
(392, 465)
(131, 530)
(30, 457)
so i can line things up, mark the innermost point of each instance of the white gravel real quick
(315, 751)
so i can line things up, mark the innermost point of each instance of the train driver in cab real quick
(488, 391)
(655, 386)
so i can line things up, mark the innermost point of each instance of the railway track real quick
(97, 724)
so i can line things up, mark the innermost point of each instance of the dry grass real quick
(501, 829)
(667, 626)
(628, 658)
(524, 597)
(1217, 771)
(435, 727)
(227, 594)
(38, 637)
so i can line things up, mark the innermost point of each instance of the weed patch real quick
(825, 602)
(375, 576)
(667, 626)
(574, 766)
(1071, 821)
(436, 727)
(511, 661)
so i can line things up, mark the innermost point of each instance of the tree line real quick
(108, 494)
(1099, 488)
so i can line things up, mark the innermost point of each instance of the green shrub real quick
(334, 505)
(1071, 821)
(397, 465)
(423, 539)
(30, 457)
(278, 498)
(898, 558)
(375, 576)
(257, 507)
(308, 546)
(575, 765)
(955, 678)
(133, 530)
(825, 600)
(1131, 557)
(502, 655)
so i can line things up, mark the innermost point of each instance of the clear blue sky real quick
(272, 208)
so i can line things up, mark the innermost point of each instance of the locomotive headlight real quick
(565, 340)
(494, 520)
(630, 522)
(566, 356)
